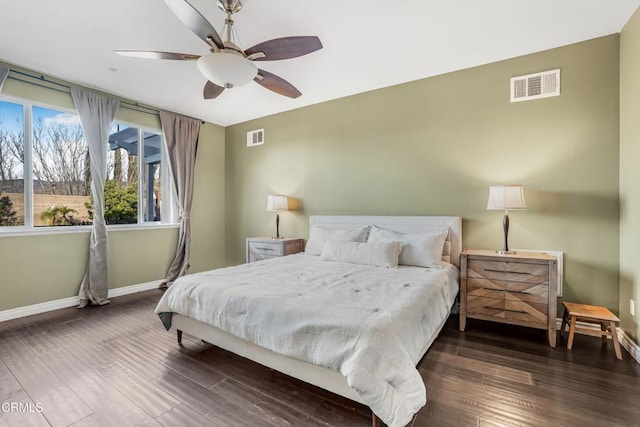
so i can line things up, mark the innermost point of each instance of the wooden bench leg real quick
(614, 336)
(564, 322)
(603, 331)
(572, 331)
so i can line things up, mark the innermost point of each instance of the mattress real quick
(369, 324)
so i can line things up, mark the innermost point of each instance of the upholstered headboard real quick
(402, 224)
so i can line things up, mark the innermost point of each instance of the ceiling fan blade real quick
(276, 84)
(285, 48)
(150, 54)
(212, 90)
(197, 23)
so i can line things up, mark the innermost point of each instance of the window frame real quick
(168, 191)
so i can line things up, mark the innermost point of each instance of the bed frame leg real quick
(179, 333)
(375, 421)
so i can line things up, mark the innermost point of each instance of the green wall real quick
(433, 146)
(208, 213)
(630, 174)
(39, 267)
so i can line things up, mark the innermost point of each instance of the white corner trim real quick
(44, 307)
(629, 345)
(625, 340)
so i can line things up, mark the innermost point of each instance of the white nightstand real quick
(259, 248)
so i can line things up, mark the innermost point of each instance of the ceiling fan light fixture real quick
(227, 69)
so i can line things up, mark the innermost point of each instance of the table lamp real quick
(506, 197)
(277, 203)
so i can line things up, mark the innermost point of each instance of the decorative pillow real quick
(419, 249)
(375, 254)
(319, 235)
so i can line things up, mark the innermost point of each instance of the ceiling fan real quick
(227, 65)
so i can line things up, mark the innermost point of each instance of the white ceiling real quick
(368, 44)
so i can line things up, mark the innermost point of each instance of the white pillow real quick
(319, 235)
(419, 249)
(375, 254)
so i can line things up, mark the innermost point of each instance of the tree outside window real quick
(60, 171)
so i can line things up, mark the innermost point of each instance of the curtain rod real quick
(67, 89)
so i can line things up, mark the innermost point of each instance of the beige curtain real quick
(181, 139)
(4, 72)
(96, 115)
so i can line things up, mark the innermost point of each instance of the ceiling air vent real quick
(534, 86)
(255, 137)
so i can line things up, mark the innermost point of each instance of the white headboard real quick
(401, 224)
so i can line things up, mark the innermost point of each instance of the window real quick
(151, 176)
(60, 165)
(133, 187)
(11, 164)
(45, 179)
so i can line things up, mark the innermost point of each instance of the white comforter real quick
(370, 324)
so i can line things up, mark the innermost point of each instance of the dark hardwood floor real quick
(115, 365)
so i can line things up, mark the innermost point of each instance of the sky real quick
(12, 119)
(8, 114)
(10, 111)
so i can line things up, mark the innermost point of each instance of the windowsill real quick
(147, 226)
(43, 231)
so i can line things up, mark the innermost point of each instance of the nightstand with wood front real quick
(259, 248)
(518, 289)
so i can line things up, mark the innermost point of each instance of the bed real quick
(336, 351)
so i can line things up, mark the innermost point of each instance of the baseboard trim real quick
(629, 345)
(133, 289)
(44, 307)
(625, 341)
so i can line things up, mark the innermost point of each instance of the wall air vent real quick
(255, 137)
(534, 86)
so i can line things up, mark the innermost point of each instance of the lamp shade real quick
(277, 203)
(227, 69)
(506, 197)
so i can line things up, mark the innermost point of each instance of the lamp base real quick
(506, 252)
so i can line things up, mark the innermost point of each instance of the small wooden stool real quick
(591, 314)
